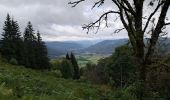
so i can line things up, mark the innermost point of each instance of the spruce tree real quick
(67, 56)
(66, 69)
(11, 40)
(41, 54)
(76, 74)
(6, 49)
(17, 41)
(29, 46)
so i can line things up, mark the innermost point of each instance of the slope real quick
(105, 47)
(19, 83)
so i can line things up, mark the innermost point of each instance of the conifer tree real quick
(11, 41)
(17, 41)
(29, 46)
(67, 56)
(76, 74)
(41, 54)
(6, 49)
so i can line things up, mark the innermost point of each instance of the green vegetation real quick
(28, 50)
(19, 83)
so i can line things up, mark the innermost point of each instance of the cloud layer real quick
(56, 20)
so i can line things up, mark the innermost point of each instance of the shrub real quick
(118, 69)
(66, 69)
(94, 73)
(56, 64)
(123, 95)
(56, 73)
(13, 61)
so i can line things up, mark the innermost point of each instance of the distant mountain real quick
(85, 43)
(105, 47)
(56, 49)
(59, 48)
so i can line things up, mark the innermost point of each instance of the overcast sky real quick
(56, 20)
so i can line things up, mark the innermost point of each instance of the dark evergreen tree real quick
(17, 42)
(11, 41)
(76, 74)
(66, 69)
(42, 59)
(67, 56)
(6, 49)
(29, 46)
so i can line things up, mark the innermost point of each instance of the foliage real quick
(76, 73)
(34, 52)
(131, 14)
(117, 70)
(13, 61)
(56, 64)
(66, 69)
(28, 84)
(121, 67)
(95, 74)
(158, 77)
(11, 40)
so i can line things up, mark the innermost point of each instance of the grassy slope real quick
(19, 83)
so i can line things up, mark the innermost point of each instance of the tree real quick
(29, 47)
(42, 60)
(131, 14)
(17, 41)
(6, 49)
(11, 40)
(67, 56)
(66, 69)
(121, 67)
(73, 60)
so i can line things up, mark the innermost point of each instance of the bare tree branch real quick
(167, 23)
(93, 25)
(99, 3)
(152, 14)
(119, 30)
(75, 3)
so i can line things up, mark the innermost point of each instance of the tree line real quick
(27, 49)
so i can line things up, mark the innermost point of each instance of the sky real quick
(55, 19)
(58, 21)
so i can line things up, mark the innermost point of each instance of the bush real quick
(56, 73)
(94, 73)
(66, 69)
(118, 70)
(56, 64)
(13, 61)
(123, 95)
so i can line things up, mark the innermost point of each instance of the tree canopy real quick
(131, 14)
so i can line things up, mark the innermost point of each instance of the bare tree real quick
(131, 14)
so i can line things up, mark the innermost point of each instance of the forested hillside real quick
(123, 53)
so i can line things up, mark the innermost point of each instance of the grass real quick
(19, 83)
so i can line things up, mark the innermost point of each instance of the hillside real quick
(59, 48)
(105, 47)
(19, 83)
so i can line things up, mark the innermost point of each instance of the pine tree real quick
(66, 69)
(17, 41)
(67, 56)
(29, 46)
(11, 41)
(41, 54)
(76, 74)
(6, 49)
